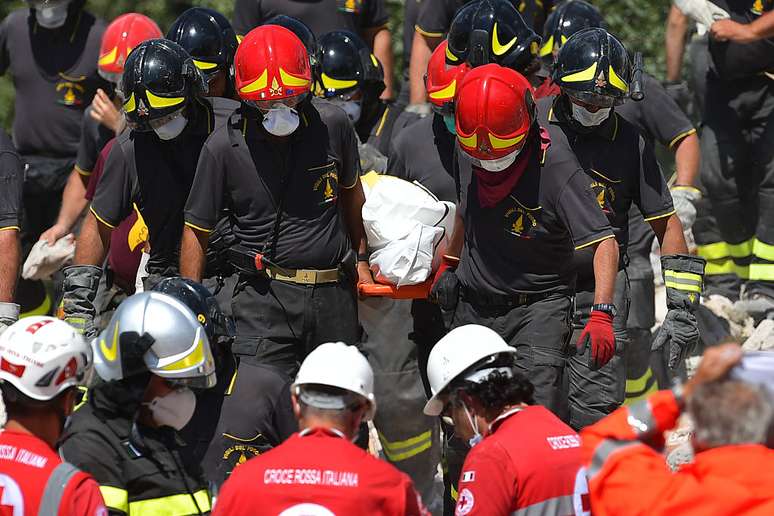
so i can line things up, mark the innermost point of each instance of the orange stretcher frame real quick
(420, 291)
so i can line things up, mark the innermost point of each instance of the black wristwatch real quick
(604, 307)
(363, 257)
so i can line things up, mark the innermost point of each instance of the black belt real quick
(498, 300)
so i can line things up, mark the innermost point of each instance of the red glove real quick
(599, 335)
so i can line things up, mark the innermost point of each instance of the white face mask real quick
(588, 119)
(171, 129)
(281, 120)
(175, 409)
(51, 15)
(498, 164)
(477, 437)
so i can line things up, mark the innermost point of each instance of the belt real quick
(499, 300)
(303, 276)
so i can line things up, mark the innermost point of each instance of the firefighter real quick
(42, 362)
(12, 177)
(527, 208)
(208, 37)
(151, 165)
(151, 356)
(102, 120)
(287, 165)
(523, 459)
(317, 470)
(626, 470)
(50, 51)
(622, 171)
(366, 18)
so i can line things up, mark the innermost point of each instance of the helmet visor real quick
(264, 106)
(196, 382)
(595, 99)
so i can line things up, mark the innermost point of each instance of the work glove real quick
(9, 314)
(371, 159)
(683, 278)
(684, 199)
(445, 291)
(44, 260)
(599, 336)
(80, 289)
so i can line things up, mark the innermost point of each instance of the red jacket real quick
(315, 471)
(529, 462)
(26, 463)
(628, 476)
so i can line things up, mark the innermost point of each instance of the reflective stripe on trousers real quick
(397, 451)
(117, 498)
(553, 506)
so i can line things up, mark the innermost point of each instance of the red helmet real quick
(442, 79)
(272, 64)
(495, 109)
(121, 36)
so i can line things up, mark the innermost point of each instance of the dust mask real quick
(450, 124)
(588, 119)
(281, 120)
(51, 15)
(498, 164)
(174, 409)
(171, 129)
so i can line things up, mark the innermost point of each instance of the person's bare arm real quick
(192, 253)
(457, 238)
(669, 232)
(687, 159)
(381, 41)
(10, 255)
(605, 270)
(93, 242)
(352, 200)
(73, 204)
(421, 50)
(727, 30)
(676, 28)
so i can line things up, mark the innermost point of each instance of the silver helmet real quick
(157, 333)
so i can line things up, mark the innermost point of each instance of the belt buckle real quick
(306, 277)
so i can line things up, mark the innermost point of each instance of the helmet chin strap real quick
(477, 437)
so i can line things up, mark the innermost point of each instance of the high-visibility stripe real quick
(231, 384)
(683, 287)
(174, 504)
(381, 122)
(742, 249)
(763, 250)
(637, 387)
(641, 419)
(632, 398)
(158, 102)
(584, 75)
(616, 81)
(115, 498)
(558, 505)
(761, 272)
(454, 494)
(397, 451)
(604, 450)
(689, 276)
(681, 136)
(42, 309)
(716, 251)
(548, 48)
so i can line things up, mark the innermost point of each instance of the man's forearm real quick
(73, 201)
(763, 27)
(9, 264)
(382, 46)
(420, 57)
(687, 159)
(605, 270)
(192, 253)
(457, 239)
(677, 26)
(669, 232)
(93, 242)
(352, 202)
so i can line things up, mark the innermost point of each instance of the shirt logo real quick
(465, 502)
(757, 7)
(519, 222)
(605, 195)
(326, 186)
(71, 90)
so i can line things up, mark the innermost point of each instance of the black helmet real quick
(593, 66)
(159, 80)
(491, 31)
(206, 35)
(201, 302)
(348, 66)
(567, 19)
(306, 36)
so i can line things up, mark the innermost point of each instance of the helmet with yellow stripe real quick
(593, 67)
(123, 35)
(306, 36)
(567, 19)
(160, 79)
(348, 66)
(156, 333)
(443, 80)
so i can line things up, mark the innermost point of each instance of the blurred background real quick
(639, 23)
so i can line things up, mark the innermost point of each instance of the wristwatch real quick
(604, 307)
(363, 257)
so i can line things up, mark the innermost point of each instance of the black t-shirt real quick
(156, 175)
(321, 16)
(11, 180)
(739, 60)
(622, 171)
(55, 76)
(94, 136)
(660, 120)
(424, 152)
(525, 243)
(435, 16)
(242, 169)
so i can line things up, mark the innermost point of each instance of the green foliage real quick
(639, 24)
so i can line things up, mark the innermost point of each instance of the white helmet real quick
(455, 353)
(43, 356)
(335, 364)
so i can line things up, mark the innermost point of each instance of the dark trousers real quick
(595, 393)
